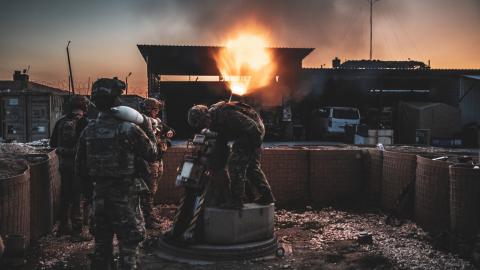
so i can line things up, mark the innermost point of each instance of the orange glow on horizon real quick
(245, 63)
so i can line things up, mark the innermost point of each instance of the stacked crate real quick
(375, 136)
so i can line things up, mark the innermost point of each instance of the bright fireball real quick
(245, 63)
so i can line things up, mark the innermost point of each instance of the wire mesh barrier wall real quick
(15, 206)
(335, 175)
(167, 191)
(298, 177)
(464, 201)
(432, 194)
(55, 183)
(287, 172)
(41, 204)
(398, 173)
(373, 164)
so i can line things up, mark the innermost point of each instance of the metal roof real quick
(380, 64)
(200, 60)
(18, 87)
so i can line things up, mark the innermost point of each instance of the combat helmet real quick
(108, 87)
(150, 104)
(79, 102)
(106, 92)
(198, 116)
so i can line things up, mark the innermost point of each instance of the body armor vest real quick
(109, 150)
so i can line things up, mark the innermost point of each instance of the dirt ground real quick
(313, 239)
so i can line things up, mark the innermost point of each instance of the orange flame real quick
(245, 63)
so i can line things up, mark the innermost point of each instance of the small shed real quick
(469, 99)
(28, 110)
(443, 121)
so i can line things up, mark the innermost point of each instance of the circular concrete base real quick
(205, 253)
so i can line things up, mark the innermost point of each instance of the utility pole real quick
(371, 26)
(70, 70)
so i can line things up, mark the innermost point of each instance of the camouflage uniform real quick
(64, 138)
(156, 169)
(239, 122)
(106, 154)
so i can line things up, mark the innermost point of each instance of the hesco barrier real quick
(287, 172)
(167, 191)
(55, 182)
(373, 163)
(335, 175)
(432, 194)
(464, 201)
(15, 205)
(41, 202)
(398, 172)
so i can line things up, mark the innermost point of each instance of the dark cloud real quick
(305, 21)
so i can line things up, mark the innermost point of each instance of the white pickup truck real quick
(332, 120)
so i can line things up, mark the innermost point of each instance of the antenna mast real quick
(70, 70)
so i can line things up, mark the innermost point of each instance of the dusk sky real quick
(104, 34)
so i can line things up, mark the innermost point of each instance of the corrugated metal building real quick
(200, 61)
(28, 110)
(469, 99)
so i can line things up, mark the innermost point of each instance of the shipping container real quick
(29, 110)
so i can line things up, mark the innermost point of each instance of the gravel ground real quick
(313, 239)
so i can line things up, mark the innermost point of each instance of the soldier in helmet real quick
(106, 154)
(239, 122)
(64, 138)
(151, 107)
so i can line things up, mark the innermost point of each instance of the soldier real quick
(239, 122)
(64, 138)
(151, 107)
(106, 154)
